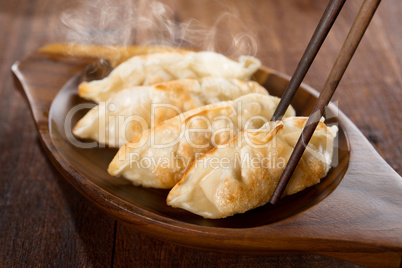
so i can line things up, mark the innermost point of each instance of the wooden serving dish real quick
(355, 213)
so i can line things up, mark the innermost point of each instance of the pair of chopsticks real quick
(353, 38)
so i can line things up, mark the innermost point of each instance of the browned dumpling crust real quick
(160, 67)
(159, 156)
(130, 111)
(243, 173)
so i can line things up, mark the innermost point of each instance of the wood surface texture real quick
(45, 222)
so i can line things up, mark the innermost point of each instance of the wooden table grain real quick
(45, 222)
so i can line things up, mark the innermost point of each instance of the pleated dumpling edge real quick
(242, 174)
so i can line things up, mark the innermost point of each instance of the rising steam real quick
(127, 22)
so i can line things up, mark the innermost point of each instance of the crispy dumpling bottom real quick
(242, 174)
(159, 156)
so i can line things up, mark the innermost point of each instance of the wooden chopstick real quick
(355, 34)
(319, 35)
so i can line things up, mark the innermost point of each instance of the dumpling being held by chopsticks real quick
(131, 111)
(159, 156)
(159, 67)
(242, 174)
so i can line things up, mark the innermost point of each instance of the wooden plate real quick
(354, 213)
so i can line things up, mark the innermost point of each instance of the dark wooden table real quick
(45, 222)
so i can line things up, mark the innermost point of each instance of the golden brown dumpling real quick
(159, 156)
(159, 67)
(130, 111)
(243, 173)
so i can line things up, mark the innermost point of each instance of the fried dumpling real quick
(159, 67)
(159, 156)
(243, 173)
(131, 111)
